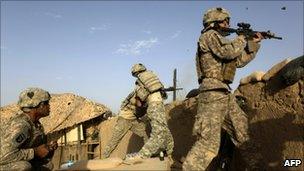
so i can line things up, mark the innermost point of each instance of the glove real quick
(41, 151)
(53, 145)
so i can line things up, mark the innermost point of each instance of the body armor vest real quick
(228, 71)
(209, 65)
(141, 92)
(150, 81)
(147, 83)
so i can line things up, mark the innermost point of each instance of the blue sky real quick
(88, 47)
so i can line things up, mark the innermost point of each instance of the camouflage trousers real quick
(120, 130)
(219, 111)
(27, 166)
(160, 138)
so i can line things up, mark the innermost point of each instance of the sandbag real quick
(253, 77)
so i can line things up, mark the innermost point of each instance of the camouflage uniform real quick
(217, 59)
(160, 137)
(149, 92)
(126, 121)
(20, 135)
(18, 138)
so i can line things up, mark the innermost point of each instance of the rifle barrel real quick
(279, 38)
(172, 89)
(266, 34)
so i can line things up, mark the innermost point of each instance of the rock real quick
(270, 73)
(293, 71)
(276, 116)
(253, 77)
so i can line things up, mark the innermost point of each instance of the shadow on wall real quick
(135, 144)
(181, 122)
(276, 119)
(272, 136)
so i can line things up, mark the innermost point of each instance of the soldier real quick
(149, 93)
(129, 119)
(216, 61)
(23, 141)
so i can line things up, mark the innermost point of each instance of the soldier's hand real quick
(242, 36)
(53, 145)
(138, 103)
(41, 151)
(258, 37)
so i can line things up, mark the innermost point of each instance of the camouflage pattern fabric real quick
(160, 137)
(293, 71)
(17, 166)
(128, 107)
(218, 110)
(149, 81)
(213, 51)
(215, 14)
(121, 128)
(18, 138)
(31, 97)
(27, 166)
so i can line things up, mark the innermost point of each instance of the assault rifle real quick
(171, 89)
(165, 90)
(244, 29)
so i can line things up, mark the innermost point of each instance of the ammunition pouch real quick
(142, 93)
(228, 71)
(252, 46)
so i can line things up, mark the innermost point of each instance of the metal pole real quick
(174, 84)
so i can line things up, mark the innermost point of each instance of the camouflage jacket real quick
(128, 107)
(18, 137)
(213, 51)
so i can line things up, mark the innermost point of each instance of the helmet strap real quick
(223, 32)
(207, 27)
(220, 30)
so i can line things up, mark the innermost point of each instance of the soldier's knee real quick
(187, 166)
(27, 165)
(145, 138)
(21, 165)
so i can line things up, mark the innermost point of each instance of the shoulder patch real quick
(20, 138)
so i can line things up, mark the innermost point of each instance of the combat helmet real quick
(137, 68)
(31, 97)
(215, 14)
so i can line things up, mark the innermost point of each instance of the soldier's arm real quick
(15, 137)
(225, 48)
(127, 100)
(248, 54)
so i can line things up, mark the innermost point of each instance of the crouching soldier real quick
(149, 92)
(22, 138)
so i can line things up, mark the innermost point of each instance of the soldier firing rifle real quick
(244, 29)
